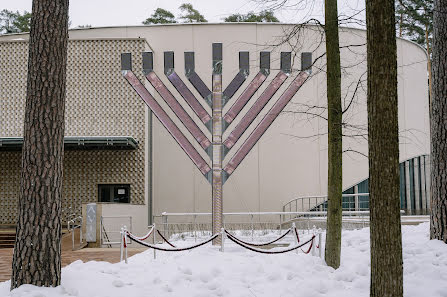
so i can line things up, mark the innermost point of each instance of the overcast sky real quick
(133, 12)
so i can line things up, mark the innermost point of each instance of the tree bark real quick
(383, 144)
(37, 250)
(335, 150)
(438, 123)
(430, 91)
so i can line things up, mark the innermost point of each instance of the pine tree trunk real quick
(334, 213)
(438, 123)
(383, 144)
(37, 250)
(430, 90)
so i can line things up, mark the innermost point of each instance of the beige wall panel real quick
(280, 167)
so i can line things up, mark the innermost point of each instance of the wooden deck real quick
(111, 255)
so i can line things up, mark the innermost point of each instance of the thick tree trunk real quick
(37, 249)
(383, 144)
(430, 90)
(438, 123)
(334, 213)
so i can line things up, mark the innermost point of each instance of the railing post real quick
(80, 232)
(154, 233)
(319, 242)
(314, 245)
(100, 230)
(195, 228)
(252, 228)
(165, 223)
(73, 239)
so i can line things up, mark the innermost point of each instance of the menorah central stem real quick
(217, 157)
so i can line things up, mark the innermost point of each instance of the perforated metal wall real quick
(98, 103)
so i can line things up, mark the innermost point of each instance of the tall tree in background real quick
(37, 252)
(383, 145)
(415, 18)
(14, 22)
(191, 15)
(264, 16)
(160, 16)
(438, 123)
(335, 150)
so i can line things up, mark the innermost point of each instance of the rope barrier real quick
(161, 235)
(170, 250)
(297, 236)
(145, 236)
(310, 248)
(232, 238)
(262, 244)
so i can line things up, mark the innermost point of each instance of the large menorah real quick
(217, 123)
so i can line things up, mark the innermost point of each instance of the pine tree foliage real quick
(160, 16)
(14, 22)
(190, 14)
(264, 16)
(415, 19)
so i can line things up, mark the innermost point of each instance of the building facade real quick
(290, 159)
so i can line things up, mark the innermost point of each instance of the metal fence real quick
(352, 202)
(110, 228)
(196, 225)
(72, 224)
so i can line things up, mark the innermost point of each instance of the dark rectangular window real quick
(114, 193)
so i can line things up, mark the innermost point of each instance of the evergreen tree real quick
(191, 15)
(251, 17)
(37, 251)
(415, 19)
(383, 146)
(160, 16)
(438, 125)
(14, 22)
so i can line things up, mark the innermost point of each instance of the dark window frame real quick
(113, 195)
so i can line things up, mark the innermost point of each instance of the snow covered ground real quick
(207, 272)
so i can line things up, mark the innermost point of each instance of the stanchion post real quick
(154, 233)
(125, 244)
(121, 244)
(294, 235)
(222, 244)
(314, 243)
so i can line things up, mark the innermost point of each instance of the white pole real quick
(319, 244)
(121, 244)
(222, 244)
(125, 242)
(314, 245)
(153, 240)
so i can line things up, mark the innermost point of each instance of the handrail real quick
(347, 212)
(73, 227)
(325, 196)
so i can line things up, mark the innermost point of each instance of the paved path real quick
(111, 255)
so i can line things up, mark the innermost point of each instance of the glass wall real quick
(414, 189)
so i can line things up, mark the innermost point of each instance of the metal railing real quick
(110, 229)
(318, 203)
(196, 225)
(71, 226)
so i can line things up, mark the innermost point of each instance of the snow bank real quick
(237, 272)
